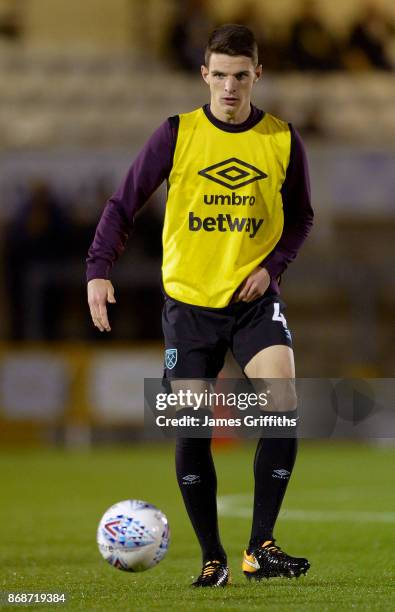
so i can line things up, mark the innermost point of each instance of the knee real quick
(281, 396)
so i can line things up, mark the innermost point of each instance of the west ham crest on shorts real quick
(170, 358)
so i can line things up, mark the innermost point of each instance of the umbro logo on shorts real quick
(233, 173)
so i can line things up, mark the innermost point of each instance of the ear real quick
(205, 72)
(258, 73)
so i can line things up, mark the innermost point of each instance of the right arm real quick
(151, 167)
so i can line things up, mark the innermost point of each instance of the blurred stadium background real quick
(83, 84)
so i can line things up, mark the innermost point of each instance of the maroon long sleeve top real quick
(153, 165)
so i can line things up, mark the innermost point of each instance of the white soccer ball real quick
(133, 535)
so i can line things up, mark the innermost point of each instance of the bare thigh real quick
(193, 385)
(273, 370)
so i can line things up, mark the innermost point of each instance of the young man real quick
(238, 210)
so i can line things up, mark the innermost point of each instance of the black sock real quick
(198, 484)
(273, 464)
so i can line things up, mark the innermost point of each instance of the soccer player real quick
(238, 210)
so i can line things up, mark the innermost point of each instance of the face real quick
(230, 80)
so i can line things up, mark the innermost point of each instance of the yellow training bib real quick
(224, 210)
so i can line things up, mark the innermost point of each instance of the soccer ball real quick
(133, 535)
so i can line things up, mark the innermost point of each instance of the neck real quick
(238, 116)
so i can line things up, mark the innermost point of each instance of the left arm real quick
(298, 213)
(298, 220)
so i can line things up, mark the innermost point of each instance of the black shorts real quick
(196, 338)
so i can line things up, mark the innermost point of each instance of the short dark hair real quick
(232, 39)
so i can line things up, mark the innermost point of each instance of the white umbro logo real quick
(191, 478)
(283, 474)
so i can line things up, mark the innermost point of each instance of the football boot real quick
(213, 574)
(269, 561)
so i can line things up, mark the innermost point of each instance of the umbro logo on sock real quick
(282, 474)
(191, 479)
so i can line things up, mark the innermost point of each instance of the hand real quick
(100, 291)
(253, 286)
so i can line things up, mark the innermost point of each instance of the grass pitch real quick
(338, 511)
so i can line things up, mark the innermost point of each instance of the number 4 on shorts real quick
(278, 316)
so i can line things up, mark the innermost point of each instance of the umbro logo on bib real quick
(233, 173)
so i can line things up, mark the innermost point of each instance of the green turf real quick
(52, 501)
